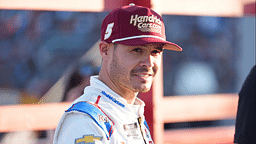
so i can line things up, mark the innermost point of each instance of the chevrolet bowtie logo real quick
(86, 139)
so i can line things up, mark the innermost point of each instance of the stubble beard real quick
(120, 77)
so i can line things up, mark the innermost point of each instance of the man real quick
(245, 121)
(109, 112)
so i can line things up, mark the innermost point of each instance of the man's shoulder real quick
(74, 126)
(96, 114)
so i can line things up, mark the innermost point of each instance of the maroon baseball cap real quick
(135, 25)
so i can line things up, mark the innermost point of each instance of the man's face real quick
(134, 67)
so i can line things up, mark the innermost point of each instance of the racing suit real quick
(101, 116)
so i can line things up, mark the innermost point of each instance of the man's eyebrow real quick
(160, 48)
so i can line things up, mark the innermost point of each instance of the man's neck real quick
(124, 92)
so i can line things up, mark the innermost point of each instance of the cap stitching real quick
(140, 36)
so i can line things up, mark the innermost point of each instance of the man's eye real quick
(156, 52)
(137, 50)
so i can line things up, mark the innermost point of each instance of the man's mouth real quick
(143, 74)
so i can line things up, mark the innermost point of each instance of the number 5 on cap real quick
(108, 31)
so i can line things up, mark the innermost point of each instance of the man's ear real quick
(104, 49)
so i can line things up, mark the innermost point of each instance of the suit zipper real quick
(139, 121)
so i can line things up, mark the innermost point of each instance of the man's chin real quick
(144, 88)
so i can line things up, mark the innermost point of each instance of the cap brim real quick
(143, 41)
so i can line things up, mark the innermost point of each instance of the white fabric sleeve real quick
(77, 125)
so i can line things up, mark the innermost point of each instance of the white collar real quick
(138, 103)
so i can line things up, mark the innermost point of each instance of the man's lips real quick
(143, 74)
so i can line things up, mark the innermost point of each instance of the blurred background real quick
(38, 47)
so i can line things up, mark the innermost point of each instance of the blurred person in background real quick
(109, 112)
(78, 80)
(245, 128)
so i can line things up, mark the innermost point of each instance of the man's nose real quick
(147, 61)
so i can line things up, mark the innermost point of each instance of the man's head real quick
(135, 25)
(131, 67)
(133, 39)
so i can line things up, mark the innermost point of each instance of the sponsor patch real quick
(88, 139)
(132, 131)
(103, 118)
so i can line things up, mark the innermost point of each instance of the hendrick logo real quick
(112, 99)
(146, 23)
